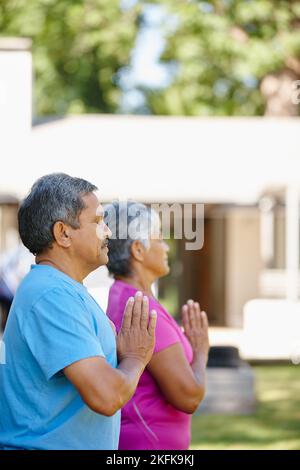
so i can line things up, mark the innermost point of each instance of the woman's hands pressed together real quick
(195, 324)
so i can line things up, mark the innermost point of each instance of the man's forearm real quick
(131, 370)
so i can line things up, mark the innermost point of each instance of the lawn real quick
(274, 425)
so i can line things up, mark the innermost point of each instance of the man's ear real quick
(137, 250)
(62, 234)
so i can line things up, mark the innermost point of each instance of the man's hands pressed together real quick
(105, 389)
(136, 338)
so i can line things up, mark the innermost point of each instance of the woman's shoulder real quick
(120, 291)
(123, 287)
(162, 312)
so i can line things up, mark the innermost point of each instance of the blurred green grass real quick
(274, 425)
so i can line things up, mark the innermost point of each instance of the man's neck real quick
(62, 265)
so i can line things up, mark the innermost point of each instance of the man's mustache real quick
(105, 243)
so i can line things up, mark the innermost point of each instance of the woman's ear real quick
(137, 250)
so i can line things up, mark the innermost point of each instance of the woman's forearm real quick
(198, 366)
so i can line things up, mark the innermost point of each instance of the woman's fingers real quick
(204, 320)
(185, 318)
(198, 315)
(191, 311)
(126, 324)
(192, 317)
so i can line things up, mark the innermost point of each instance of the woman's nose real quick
(166, 246)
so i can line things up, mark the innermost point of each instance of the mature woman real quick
(171, 388)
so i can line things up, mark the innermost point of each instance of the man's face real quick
(89, 242)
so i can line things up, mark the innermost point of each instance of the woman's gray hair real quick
(52, 198)
(128, 221)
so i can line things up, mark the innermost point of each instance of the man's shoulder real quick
(40, 285)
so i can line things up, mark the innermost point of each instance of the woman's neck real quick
(143, 285)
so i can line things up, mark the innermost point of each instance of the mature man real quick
(62, 386)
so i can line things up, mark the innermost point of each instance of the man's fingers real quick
(137, 309)
(145, 313)
(152, 323)
(126, 324)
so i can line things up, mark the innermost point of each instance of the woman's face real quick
(156, 257)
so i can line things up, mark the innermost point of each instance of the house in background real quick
(245, 170)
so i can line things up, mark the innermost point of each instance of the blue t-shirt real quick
(53, 322)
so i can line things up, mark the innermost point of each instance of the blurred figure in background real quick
(172, 386)
(14, 265)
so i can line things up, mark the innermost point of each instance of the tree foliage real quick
(232, 57)
(226, 57)
(79, 48)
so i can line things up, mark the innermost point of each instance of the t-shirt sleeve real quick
(59, 331)
(165, 333)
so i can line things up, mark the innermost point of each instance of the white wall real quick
(15, 87)
(243, 264)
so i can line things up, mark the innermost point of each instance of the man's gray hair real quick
(52, 198)
(128, 221)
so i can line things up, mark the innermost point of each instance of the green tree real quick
(232, 57)
(79, 48)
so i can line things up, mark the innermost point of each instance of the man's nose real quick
(108, 231)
